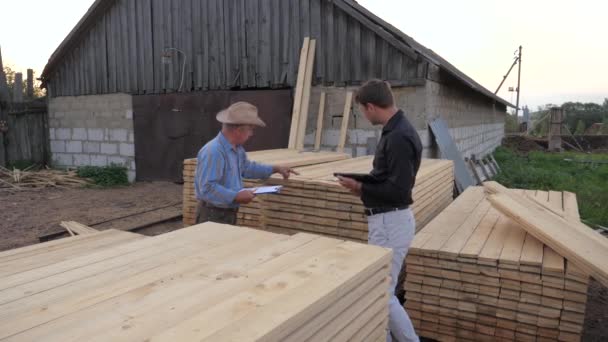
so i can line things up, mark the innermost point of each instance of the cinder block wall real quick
(476, 126)
(92, 130)
(476, 123)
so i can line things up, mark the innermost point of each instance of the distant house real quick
(139, 82)
(596, 129)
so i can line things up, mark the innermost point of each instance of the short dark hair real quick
(376, 92)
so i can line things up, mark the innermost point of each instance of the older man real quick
(223, 163)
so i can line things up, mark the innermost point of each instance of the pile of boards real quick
(474, 273)
(31, 177)
(285, 157)
(314, 201)
(208, 282)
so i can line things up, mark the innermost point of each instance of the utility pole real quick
(516, 61)
(518, 84)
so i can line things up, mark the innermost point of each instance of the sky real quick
(565, 44)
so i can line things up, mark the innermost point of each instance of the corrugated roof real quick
(394, 36)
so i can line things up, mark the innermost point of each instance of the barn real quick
(138, 82)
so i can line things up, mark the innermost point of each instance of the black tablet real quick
(359, 177)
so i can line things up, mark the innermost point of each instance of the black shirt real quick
(396, 164)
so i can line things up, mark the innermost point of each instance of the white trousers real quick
(395, 230)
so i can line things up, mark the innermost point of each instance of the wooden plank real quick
(100, 241)
(92, 294)
(306, 94)
(512, 249)
(572, 240)
(298, 97)
(345, 120)
(220, 322)
(475, 243)
(532, 251)
(320, 116)
(339, 314)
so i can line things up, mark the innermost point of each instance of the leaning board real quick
(208, 282)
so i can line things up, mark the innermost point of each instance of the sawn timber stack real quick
(475, 274)
(209, 282)
(314, 202)
(285, 157)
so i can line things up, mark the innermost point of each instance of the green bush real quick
(560, 172)
(113, 175)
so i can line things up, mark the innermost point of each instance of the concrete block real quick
(132, 165)
(91, 147)
(349, 150)
(95, 134)
(82, 160)
(361, 151)
(62, 159)
(127, 150)
(309, 139)
(73, 147)
(79, 134)
(131, 176)
(121, 161)
(331, 137)
(360, 136)
(109, 148)
(117, 134)
(57, 146)
(99, 160)
(131, 137)
(51, 134)
(63, 134)
(129, 114)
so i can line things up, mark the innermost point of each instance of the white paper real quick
(265, 189)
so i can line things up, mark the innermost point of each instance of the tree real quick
(605, 103)
(10, 80)
(580, 128)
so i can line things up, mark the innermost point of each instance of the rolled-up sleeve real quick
(253, 170)
(208, 179)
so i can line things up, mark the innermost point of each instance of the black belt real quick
(377, 211)
(209, 206)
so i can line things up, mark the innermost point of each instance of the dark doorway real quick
(172, 127)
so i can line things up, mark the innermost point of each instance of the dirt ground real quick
(26, 215)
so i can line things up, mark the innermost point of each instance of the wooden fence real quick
(24, 133)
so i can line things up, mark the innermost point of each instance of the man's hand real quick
(351, 184)
(284, 171)
(244, 197)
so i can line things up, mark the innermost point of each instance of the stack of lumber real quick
(285, 157)
(17, 179)
(314, 201)
(209, 282)
(475, 274)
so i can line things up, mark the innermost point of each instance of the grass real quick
(552, 171)
(108, 176)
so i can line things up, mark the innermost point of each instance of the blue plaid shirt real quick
(220, 172)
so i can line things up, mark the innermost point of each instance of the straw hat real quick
(240, 113)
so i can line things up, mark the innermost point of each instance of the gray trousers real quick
(218, 215)
(395, 230)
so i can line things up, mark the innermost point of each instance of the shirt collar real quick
(225, 143)
(392, 123)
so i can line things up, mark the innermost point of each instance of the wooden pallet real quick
(474, 274)
(286, 157)
(208, 282)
